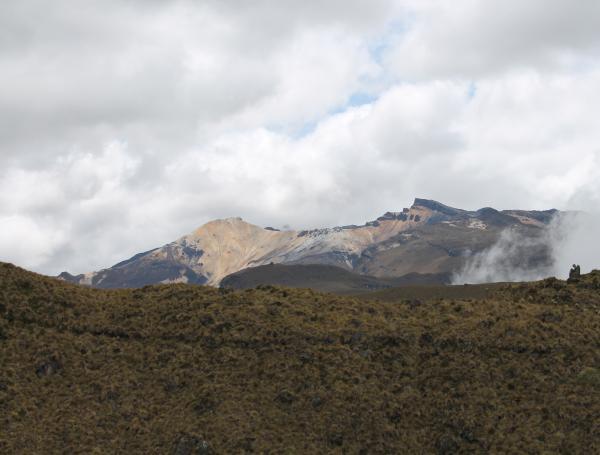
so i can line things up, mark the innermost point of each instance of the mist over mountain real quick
(429, 238)
(569, 237)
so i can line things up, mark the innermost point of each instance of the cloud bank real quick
(127, 124)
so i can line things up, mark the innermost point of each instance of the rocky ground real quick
(188, 369)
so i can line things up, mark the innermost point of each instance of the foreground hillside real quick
(183, 369)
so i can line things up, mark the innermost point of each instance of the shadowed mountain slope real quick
(325, 278)
(427, 238)
(193, 369)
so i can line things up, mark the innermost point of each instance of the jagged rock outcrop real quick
(427, 238)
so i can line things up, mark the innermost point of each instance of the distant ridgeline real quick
(429, 239)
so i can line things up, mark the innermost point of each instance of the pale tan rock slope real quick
(428, 237)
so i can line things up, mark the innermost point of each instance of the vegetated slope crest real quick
(192, 369)
(325, 278)
(427, 238)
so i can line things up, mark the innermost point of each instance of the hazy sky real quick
(127, 123)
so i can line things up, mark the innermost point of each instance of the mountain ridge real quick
(427, 238)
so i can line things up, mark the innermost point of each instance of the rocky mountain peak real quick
(436, 207)
(229, 220)
(429, 237)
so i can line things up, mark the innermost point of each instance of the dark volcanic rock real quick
(438, 207)
(493, 216)
(390, 216)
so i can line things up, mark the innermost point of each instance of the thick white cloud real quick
(127, 124)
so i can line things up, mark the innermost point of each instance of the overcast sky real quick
(128, 123)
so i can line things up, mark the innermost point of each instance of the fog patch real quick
(575, 237)
(514, 257)
(571, 238)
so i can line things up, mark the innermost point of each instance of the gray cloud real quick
(469, 39)
(128, 124)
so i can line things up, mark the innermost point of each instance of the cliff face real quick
(428, 237)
